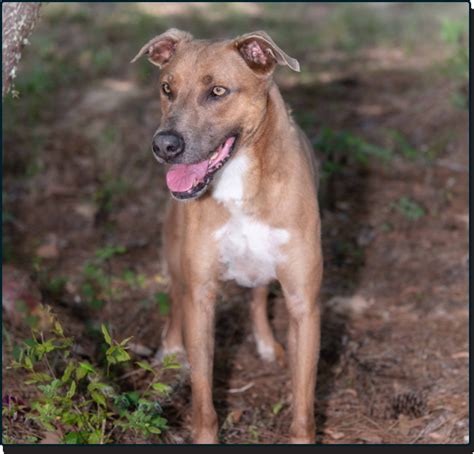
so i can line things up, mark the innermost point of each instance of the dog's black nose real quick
(168, 144)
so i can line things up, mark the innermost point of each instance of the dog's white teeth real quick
(214, 156)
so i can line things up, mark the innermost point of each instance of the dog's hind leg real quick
(300, 285)
(268, 348)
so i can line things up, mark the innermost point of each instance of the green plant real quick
(163, 301)
(402, 145)
(96, 287)
(134, 280)
(56, 285)
(109, 193)
(455, 34)
(343, 148)
(409, 208)
(76, 400)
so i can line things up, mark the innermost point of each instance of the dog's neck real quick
(242, 178)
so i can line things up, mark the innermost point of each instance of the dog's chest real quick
(249, 249)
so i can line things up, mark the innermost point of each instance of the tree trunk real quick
(17, 24)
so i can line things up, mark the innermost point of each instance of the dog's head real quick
(213, 100)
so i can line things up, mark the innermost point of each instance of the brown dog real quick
(251, 214)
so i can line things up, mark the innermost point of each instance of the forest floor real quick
(382, 95)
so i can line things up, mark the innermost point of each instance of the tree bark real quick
(17, 23)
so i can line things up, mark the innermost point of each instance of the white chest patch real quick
(249, 250)
(229, 184)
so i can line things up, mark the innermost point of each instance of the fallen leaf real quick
(50, 438)
(48, 251)
(235, 415)
(436, 436)
(372, 439)
(355, 304)
(86, 210)
(139, 349)
(333, 434)
(460, 355)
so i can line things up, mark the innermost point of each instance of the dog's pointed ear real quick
(160, 50)
(262, 54)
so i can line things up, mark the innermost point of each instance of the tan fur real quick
(280, 190)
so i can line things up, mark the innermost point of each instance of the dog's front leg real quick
(199, 340)
(301, 292)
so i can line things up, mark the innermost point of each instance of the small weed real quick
(96, 288)
(409, 208)
(134, 281)
(163, 301)
(276, 408)
(455, 34)
(56, 285)
(342, 148)
(386, 227)
(253, 433)
(75, 400)
(109, 193)
(402, 145)
(102, 60)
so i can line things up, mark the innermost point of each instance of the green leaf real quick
(94, 438)
(28, 363)
(163, 301)
(410, 208)
(108, 252)
(145, 365)
(161, 388)
(117, 354)
(17, 353)
(170, 362)
(99, 398)
(72, 438)
(38, 377)
(72, 390)
(277, 408)
(154, 430)
(133, 396)
(31, 342)
(67, 373)
(83, 370)
(125, 341)
(106, 334)
(58, 329)
(158, 421)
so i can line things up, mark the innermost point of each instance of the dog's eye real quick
(219, 91)
(166, 89)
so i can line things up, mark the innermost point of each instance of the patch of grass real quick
(341, 149)
(455, 34)
(76, 400)
(96, 287)
(56, 285)
(134, 280)
(109, 193)
(276, 408)
(163, 301)
(402, 145)
(253, 434)
(409, 208)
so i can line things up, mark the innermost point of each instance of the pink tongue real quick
(181, 177)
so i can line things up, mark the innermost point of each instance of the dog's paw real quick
(271, 352)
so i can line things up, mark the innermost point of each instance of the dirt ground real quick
(79, 175)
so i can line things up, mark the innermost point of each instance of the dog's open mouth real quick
(186, 181)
